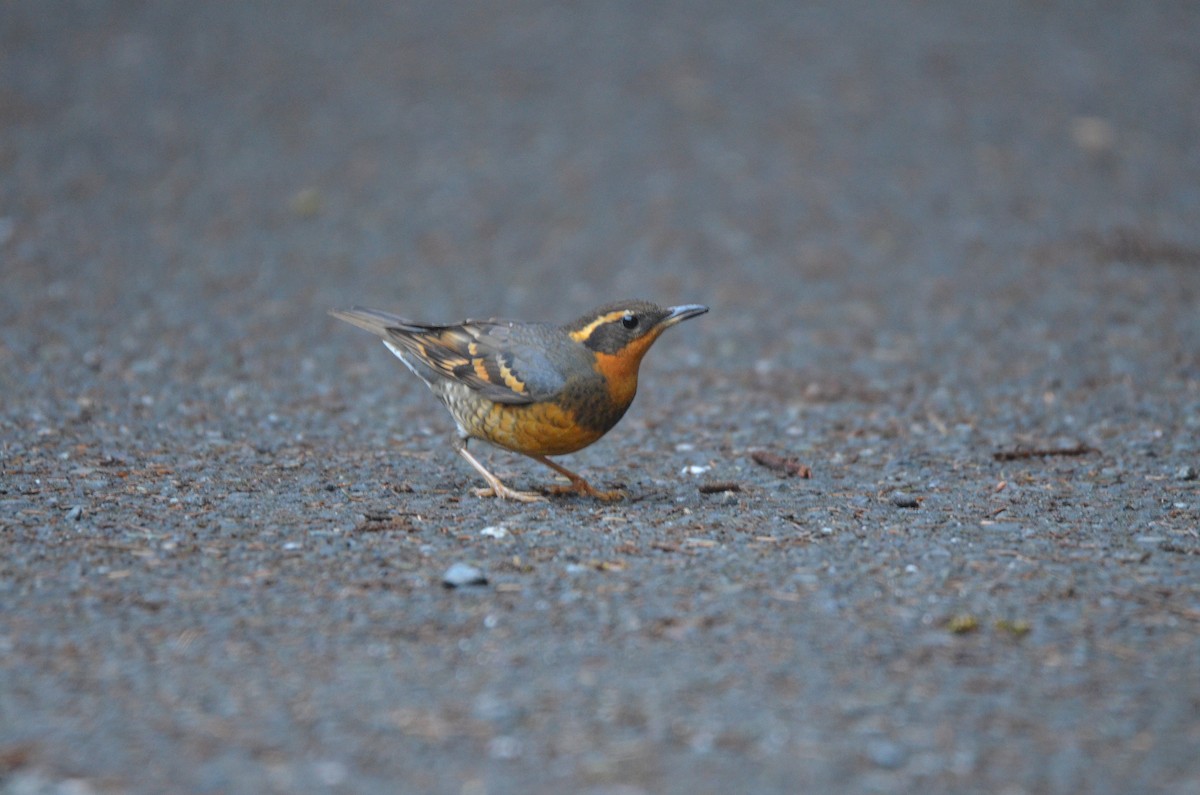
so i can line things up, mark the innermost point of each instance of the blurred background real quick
(928, 230)
(827, 176)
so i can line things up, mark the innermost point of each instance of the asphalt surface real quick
(953, 256)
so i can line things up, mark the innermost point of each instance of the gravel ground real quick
(953, 256)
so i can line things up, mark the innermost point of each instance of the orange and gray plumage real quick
(537, 389)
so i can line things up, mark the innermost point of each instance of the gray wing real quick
(500, 359)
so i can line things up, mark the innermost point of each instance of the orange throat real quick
(620, 370)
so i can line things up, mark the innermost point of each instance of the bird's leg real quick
(495, 487)
(578, 484)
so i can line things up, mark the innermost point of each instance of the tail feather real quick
(377, 322)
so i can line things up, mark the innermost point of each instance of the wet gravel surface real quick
(914, 508)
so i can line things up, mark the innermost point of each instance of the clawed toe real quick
(585, 489)
(505, 493)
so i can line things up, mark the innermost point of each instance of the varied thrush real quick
(534, 388)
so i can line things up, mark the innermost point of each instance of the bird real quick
(538, 389)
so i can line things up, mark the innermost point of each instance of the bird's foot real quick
(505, 493)
(585, 489)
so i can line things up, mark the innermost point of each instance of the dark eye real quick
(629, 321)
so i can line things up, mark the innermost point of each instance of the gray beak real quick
(682, 313)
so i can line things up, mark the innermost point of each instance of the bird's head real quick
(619, 334)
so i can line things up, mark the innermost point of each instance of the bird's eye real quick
(630, 321)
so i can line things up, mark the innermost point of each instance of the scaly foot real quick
(583, 488)
(505, 493)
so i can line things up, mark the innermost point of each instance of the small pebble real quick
(462, 574)
(962, 624)
(75, 514)
(1092, 134)
(1187, 473)
(494, 531)
(504, 747)
(887, 754)
(902, 500)
(331, 773)
(306, 203)
(152, 600)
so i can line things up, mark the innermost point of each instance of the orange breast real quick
(537, 429)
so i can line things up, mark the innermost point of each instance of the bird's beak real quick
(678, 314)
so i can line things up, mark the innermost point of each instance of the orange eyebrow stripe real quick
(586, 331)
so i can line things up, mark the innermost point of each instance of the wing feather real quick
(497, 358)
